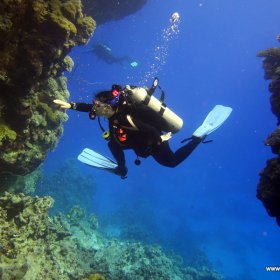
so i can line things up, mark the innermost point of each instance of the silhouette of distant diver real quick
(105, 53)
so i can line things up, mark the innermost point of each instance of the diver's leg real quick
(164, 155)
(182, 153)
(117, 152)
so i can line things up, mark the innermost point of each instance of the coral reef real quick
(17, 184)
(138, 222)
(37, 125)
(135, 222)
(35, 37)
(104, 11)
(268, 190)
(36, 246)
(95, 276)
(141, 262)
(93, 221)
(76, 215)
(68, 187)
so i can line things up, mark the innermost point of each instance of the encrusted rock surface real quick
(35, 246)
(104, 11)
(268, 190)
(35, 37)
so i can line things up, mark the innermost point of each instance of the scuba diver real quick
(137, 121)
(105, 53)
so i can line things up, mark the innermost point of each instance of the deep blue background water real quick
(209, 201)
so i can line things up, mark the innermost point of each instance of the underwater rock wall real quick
(36, 246)
(35, 37)
(104, 11)
(268, 190)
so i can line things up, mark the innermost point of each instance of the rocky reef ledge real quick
(35, 38)
(36, 246)
(268, 190)
(109, 10)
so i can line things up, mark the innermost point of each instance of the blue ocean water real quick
(208, 203)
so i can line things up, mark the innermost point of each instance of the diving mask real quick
(103, 109)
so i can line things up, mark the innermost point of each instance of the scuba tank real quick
(171, 122)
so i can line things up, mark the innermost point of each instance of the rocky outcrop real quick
(104, 11)
(35, 37)
(36, 246)
(268, 190)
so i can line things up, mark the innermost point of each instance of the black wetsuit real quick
(145, 141)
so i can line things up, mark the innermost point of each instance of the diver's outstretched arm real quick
(82, 107)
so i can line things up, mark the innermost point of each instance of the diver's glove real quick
(121, 170)
(62, 104)
(166, 136)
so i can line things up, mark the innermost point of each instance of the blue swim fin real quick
(213, 121)
(133, 64)
(97, 160)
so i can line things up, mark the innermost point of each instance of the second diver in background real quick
(105, 53)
